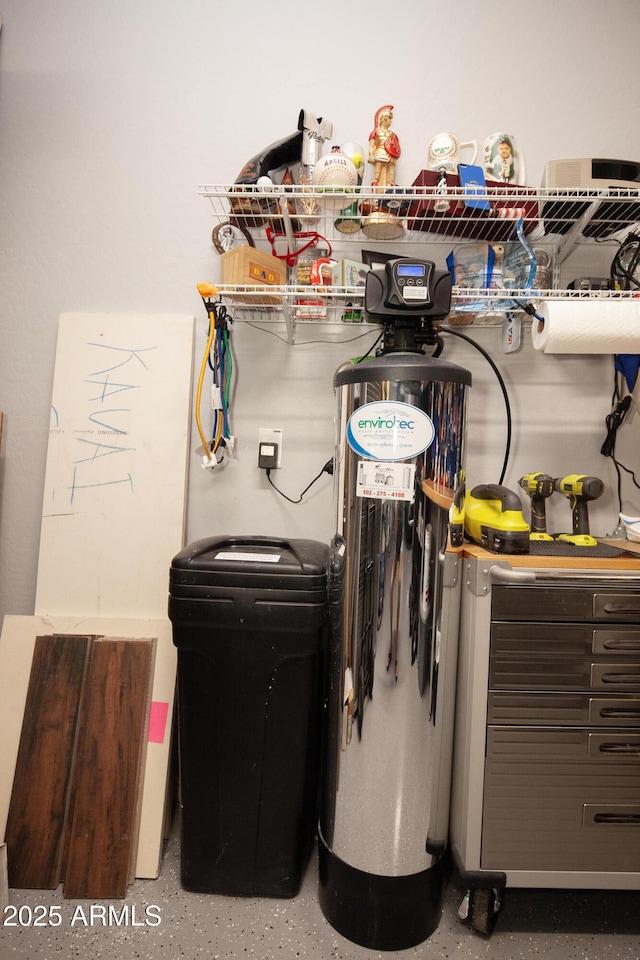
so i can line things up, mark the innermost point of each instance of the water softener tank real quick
(383, 830)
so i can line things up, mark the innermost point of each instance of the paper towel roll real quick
(587, 326)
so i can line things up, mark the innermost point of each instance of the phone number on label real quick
(396, 494)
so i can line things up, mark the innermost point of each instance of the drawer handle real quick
(619, 713)
(627, 819)
(621, 677)
(617, 644)
(632, 608)
(626, 748)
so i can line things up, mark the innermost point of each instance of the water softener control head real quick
(407, 287)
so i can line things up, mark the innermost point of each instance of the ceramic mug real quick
(501, 159)
(445, 152)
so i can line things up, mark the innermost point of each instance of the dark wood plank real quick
(37, 811)
(142, 765)
(111, 729)
(4, 878)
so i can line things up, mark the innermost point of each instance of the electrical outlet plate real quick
(271, 435)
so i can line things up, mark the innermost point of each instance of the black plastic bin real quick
(249, 617)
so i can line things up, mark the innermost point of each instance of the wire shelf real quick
(290, 304)
(420, 213)
(341, 296)
(280, 218)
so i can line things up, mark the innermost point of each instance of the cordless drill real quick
(538, 486)
(579, 489)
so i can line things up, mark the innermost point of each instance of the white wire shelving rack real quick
(408, 218)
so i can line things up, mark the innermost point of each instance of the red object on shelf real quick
(465, 222)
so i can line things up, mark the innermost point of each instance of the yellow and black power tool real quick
(539, 486)
(493, 518)
(579, 489)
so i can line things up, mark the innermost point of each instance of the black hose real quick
(489, 359)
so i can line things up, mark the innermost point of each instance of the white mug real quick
(501, 159)
(445, 152)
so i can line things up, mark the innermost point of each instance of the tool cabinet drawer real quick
(563, 673)
(564, 639)
(564, 657)
(558, 799)
(569, 709)
(560, 744)
(565, 602)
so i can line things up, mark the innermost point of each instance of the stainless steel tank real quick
(383, 828)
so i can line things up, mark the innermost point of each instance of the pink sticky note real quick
(157, 721)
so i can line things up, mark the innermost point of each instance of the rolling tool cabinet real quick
(546, 776)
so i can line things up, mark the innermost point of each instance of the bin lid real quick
(253, 561)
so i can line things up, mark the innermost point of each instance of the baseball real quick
(335, 176)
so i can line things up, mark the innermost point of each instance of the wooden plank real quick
(17, 641)
(4, 878)
(37, 812)
(116, 464)
(111, 728)
(144, 742)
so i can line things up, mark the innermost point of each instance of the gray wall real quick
(111, 115)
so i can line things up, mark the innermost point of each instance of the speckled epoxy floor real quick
(163, 921)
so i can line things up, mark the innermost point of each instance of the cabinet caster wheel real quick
(479, 908)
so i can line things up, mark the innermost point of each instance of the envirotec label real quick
(389, 430)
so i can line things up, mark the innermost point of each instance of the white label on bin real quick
(251, 557)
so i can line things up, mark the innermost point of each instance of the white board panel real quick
(115, 484)
(17, 642)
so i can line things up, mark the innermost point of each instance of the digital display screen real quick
(411, 270)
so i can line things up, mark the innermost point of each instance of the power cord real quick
(624, 266)
(217, 356)
(328, 468)
(614, 421)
